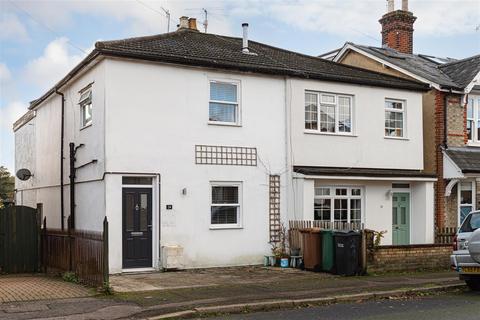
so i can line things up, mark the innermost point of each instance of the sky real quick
(41, 40)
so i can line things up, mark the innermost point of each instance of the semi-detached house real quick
(451, 110)
(196, 146)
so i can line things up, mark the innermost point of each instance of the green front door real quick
(401, 218)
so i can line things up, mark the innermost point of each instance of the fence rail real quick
(80, 251)
(294, 226)
(445, 235)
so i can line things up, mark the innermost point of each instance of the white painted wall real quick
(37, 148)
(153, 126)
(422, 202)
(367, 148)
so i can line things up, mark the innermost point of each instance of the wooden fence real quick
(445, 235)
(84, 253)
(294, 226)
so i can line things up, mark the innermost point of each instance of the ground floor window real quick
(466, 196)
(342, 204)
(225, 205)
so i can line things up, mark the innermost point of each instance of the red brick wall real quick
(409, 258)
(397, 30)
(439, 139)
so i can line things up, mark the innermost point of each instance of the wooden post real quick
(44, 245)
(105, 252)
(364, 252)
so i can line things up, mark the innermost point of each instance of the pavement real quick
(458, 305)
(227, 290)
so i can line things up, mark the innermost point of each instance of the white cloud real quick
(10, 113)
(12, 28)
(350, 17)
(52, 65)
(5, 74)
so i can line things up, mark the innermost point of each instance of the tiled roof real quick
(466, 158)
(209, 50)
(360, 172)
(462, 71)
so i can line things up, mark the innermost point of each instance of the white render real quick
(147, 119)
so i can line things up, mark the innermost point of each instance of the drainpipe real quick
(62, 137)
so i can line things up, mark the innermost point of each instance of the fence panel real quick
(19, 243)
(80, 251)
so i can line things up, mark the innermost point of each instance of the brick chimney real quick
(397, 28)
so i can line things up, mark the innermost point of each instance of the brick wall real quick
(451, 205)
(439, 139)
(409, 258)
(397, 30)
(456, 122)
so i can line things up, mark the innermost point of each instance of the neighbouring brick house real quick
(453, 154)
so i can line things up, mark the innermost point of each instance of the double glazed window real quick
(328, 112)
(338, 204)
(225, 206)
(86, 107)
(223, 105)
(473, 119)
(394, 118)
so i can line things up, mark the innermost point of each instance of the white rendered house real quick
(184, 140)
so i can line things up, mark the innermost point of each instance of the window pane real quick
(224, 215)
(224, 194)
(393, 124)
(470, 109)
(394, 105)
(222, 112)
(355, 210)
(322, 209)
(322, 191)
(327, 118)
(311, 111)
(136, 180)
(328, 98)
(223, 92)
(341, 192)
(143, 211)
(344, 114)
(129, 211)
(469, 129)
(341, 210)
(356, 192)
(466, 193)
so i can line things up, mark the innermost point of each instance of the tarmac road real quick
(457, 306)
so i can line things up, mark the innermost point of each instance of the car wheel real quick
(474, 285)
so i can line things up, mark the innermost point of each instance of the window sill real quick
(396, 138)
(87, 126)
(330, 134)
(473, 144)
(227, 124)
(224, 227)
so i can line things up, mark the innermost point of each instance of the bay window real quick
(328, 112)
(338, 204)
(466, 196)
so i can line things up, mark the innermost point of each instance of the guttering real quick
(62, 137)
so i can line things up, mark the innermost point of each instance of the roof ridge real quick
(460, 60)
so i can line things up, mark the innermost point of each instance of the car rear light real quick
(455, 243)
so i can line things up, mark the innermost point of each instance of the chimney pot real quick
(192, 24)
(183, 23)
(245, 38)
(405, 5)
(390, 5)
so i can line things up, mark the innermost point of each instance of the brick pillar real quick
(439, 139)
(397, 30)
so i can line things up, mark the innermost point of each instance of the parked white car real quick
(466, 255)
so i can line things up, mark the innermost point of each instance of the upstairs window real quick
(223, 106)
(328, 113)
(85, 107)
(473, 119)
(394, 118)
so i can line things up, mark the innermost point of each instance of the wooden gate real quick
(19, 239)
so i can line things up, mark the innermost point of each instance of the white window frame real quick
(320, 102)
(239, 205)
(459, 200)
(84, 103)
(238, 121)
(403, 111)
(475, 139)
(332, 196)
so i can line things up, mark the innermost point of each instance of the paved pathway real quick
(15, 288)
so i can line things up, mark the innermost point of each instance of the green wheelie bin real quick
(328, 251)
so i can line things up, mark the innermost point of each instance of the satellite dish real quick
(24, 174)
